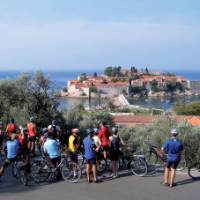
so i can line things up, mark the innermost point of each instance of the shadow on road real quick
(186, 181)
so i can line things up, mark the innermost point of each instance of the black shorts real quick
(92, 161)
(9, 161)
(55, 161)
(32, 138)
(114, 155)
(106, 148)
(73, 156)
(172, 164)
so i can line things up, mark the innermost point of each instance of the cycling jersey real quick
(104, 134)
(52, 148)
(173, 147)
(31, 129)
(13, 148)
(89, 151)
(73, 142)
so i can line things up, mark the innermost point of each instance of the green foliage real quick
(159, 131)
(83, 77)
(28, 96)
(188, 109)
(93, 88)
(113, 71)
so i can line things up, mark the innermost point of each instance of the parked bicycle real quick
(155, 156)
(43, 171)
(194, 170)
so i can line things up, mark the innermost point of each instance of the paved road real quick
(124, 188)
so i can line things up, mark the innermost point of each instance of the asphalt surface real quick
(125, 187)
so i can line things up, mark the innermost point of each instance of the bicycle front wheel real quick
(139, 167)
(182, 165)
(71, 172)
(194, 171)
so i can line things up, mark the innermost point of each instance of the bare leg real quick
(166, 175)
(88, 169)
(94, 169)
(2, 169)
(172, 176)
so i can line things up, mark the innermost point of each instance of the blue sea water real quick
(60, 78)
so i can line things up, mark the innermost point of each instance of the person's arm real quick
(122, 141)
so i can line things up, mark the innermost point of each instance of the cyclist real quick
(55, 129)
(115, 150)
(173, 147)
(52, 149)
(74, 145)
(90, 155)
(32, 133)
(104, 135)
(13, 148)
(12, 127)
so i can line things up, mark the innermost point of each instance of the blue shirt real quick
(51, 147)
(173, 148)
(89, 153)
(13, 148)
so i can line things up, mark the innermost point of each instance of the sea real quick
(60, 78)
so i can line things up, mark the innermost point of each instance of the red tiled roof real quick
(194, 120)
(134, 118)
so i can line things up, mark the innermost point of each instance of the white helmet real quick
(174, 131)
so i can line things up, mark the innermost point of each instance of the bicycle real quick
(134, 162)
(42, 170)
(19, 171)
(155, 156)
(194, 170)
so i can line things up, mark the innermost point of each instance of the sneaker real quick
(165, 184)
(172, 185)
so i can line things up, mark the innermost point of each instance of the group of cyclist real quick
(16, 140)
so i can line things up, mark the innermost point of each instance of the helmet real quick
(31, 119)
(174, 131)
(89, 131)
(96, 130)
(75, 130)
(54, 122)
(45, 130)
(115, 129)
(12, 120)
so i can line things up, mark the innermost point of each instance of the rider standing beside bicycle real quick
(173, 147)
(13, 148)
(74, 145)
(52, 149)
(90, 155)
(104, 135)
(115, 150)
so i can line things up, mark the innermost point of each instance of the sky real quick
(93, 34)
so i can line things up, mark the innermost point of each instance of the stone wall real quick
(195, 86)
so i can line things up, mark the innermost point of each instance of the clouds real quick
(86, 43)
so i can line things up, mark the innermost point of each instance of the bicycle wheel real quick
(101, 166)
(40, 172)
(194, 171)
(23, 177)
(151, 158)
(14, 170)
(71, 172)
(138, 166)
(182, 164)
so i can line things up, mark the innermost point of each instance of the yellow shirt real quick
(71, 144)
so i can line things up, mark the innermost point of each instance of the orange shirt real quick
(32, 129)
